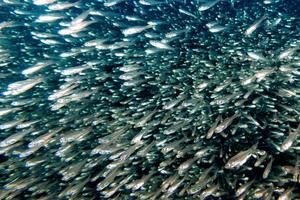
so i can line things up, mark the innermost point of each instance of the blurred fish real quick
(208, 4)
(254, 26)
(149, 99)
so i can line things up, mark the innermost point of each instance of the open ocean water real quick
(150, 99)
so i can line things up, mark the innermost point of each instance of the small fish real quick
(256, 56)
(217, 28)
(199, 185)
(136, 29)
(160, 45)
(26, 124)
(268, 168)
(213, 127)
(128, 152)
(222, 86)
(243, 188)
(260, 160)
(173, 34)
(63, 5)
(287, 194)
(37, 67)
(75, 28)
(72, 170)
(137, 184)
(48, 18)
(259, 193)
(261, 74)
(109, 3)
(171, 146)
(6, 111)
(187, 13)
(227, 122)
(21, 183)
(22, 86)
(209, 191)
(241, 158)
(169, 181)
(130, 75)
(288, 142)
(296, 171)
(255, 25)
(74, 70)
(144, 151)
(172, 103)
(63, 91)
(133, 18)
(43, 2)
(35, 161)
(14, 138)
(75, 135)
(7, 24)
(287, 53)
(80, 18)
(224, 99)
(172, 188)
(208, 4)
(73, 189)
(175, 127)
(43, 139)
(185, 166)
(150, 2)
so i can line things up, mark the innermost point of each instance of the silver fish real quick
(241, 158)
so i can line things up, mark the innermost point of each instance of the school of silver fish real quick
(149, 99)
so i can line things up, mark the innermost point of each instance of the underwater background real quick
(149, 99)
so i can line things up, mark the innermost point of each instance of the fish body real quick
(241, 158)
(254, 26)
(223, 125)
(208, 4)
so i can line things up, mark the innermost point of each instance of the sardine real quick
(241, 158)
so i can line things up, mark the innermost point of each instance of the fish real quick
(183, 167)
(287, 53)
(243, 188)
(110, 3)
(20, 87)
(255, 25)
(150, 2)
(135, 30)
(260, 160)
(37, 67)
(48, 18)
(223, 125)
(160, 45)
(256, 56)
(43, 2)
(288, 142)
(6, 111)
(187, 13)
(212, 129)
(209, 191)
(198, 186)
(287, 194)
(208, 4)
(140, 182)
(14, 138)
(63, 5)
(268, 168)
(241, 158)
